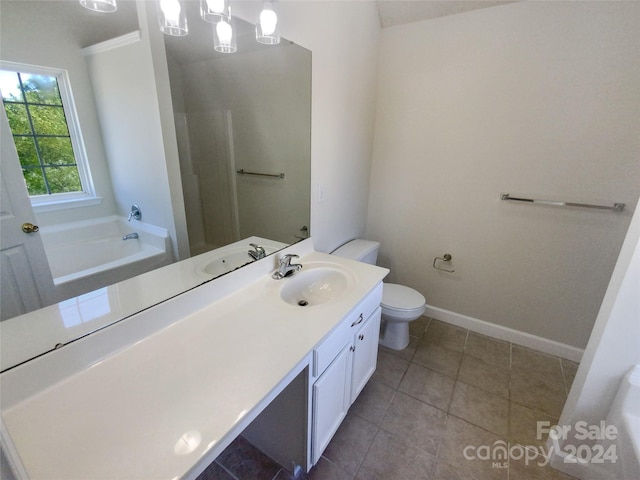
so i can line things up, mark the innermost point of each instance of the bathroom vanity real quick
(162, 393)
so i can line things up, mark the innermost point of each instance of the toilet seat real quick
(401, 299)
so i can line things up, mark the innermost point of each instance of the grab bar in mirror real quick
(242, 171)
(616, 207)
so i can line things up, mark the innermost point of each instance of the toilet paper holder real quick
(446, 258)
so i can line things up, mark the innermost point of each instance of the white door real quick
(26, 279)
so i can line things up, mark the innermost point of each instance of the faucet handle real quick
(135, 213)
(286, 258)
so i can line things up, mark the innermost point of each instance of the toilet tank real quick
(365, 251)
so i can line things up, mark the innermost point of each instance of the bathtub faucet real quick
(130, 236)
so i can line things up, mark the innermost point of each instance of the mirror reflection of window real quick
(41, 124)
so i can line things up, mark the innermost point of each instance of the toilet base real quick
(394, 335)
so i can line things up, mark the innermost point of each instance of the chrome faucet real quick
(286, 268)
(130, 236)
(257, 253)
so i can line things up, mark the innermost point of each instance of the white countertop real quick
(150, 396)
(27, 336)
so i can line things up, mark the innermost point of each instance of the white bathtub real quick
(87, 255)
(622, 458)
(625, 416)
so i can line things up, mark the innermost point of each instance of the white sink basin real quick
(227, 263)
(316, 286)
(226, 259)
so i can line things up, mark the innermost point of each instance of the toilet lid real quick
(401, 297)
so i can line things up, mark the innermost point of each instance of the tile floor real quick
(449, 389)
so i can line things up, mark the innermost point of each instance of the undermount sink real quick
(316, 286)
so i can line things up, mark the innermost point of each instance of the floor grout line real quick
(448, 416)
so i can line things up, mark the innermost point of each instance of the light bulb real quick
(267, 25)
(224, 32)
(216, 6)
(268, 21)
(213, 10)
(171, 10)
(224, 38)
(102, 6)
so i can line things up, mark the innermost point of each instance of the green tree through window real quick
(37, 119)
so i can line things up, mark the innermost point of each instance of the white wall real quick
(23, 33)
(147, 16)
(124, 76)
(530, 98)
(343, 38)
(132, 95)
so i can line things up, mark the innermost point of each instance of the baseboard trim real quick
(504, 333)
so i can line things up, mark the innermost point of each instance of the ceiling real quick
(91, 27)
(68, 19)
(397, 12)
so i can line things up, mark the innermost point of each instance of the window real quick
(45, 130)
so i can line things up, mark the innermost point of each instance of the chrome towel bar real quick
(617, 207)
(242, 171)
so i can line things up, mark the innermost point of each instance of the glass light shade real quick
(102, 6)
(172, 18)
(213, 11)
(267, 30)
(224, 36)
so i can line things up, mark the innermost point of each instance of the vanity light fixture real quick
(213, 11)
(102, 6)
(267, 30)
(173, 21)
(172, 18)
(224, 35)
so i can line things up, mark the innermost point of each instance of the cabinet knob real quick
(361, 337)
(359, 321)
(352, 348)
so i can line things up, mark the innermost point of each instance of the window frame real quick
(58, 201)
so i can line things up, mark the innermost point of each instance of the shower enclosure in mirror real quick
(212, 148)
(242, 124)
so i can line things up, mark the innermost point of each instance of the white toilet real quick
(400, 305)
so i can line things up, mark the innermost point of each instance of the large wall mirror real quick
(213, 149)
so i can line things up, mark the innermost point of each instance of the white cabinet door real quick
(365, 354)
(331, 395)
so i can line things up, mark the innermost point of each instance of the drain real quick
(303, 303)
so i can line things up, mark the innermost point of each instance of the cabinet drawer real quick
(324, 354)
(366, 307)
